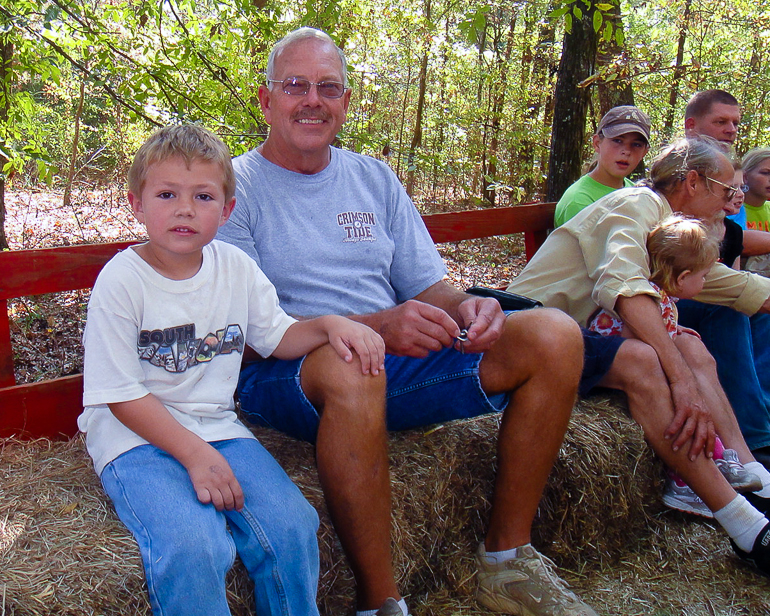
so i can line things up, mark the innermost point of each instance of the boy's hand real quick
(214, 481)
(345, 335)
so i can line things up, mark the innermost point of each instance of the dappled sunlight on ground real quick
(37, 219)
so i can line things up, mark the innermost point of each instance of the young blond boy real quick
(167, 325)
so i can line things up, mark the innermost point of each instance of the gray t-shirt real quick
(347, 240)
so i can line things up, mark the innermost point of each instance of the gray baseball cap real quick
(625, 119)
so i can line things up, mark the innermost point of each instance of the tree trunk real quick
(403, 120)
(417, 133)
(668, 125)
(439, 140)
(479, 146)
(75, 141)
(535, 88)
(748, 96)
(6, 55)
(578, 60)
(498, 90)
(619, 91)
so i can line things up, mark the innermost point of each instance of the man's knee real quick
(546, 333)
(636, 370)
(544, 340)
(325, 377)
(695, 353)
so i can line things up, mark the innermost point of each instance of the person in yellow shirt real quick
(599, 259)
(756, 173)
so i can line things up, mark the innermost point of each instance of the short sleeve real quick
(112, 372)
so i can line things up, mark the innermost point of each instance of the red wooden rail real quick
(50, 408)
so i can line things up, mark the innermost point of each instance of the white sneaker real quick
(526, 585)
(740, 479)
(679, 496)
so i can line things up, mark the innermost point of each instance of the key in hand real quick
(462, 338)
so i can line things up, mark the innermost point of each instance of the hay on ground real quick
(63, 551)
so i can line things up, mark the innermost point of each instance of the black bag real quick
(508, 301)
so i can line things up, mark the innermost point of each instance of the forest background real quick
(473, 103)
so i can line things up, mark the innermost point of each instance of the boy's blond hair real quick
(191, 143)
(677, 244)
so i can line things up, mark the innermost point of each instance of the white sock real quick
(761, 472)
(401, 604)
(741, 521)
(493, 558)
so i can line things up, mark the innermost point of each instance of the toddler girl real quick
(681, 252)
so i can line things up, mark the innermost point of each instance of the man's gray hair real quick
(301, 34)
(702, 154)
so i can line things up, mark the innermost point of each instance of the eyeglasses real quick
(729, 190)
(299, 87)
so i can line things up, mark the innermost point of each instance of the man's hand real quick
(691, 420)
(483, 319)
(214, 481)
(415, 329)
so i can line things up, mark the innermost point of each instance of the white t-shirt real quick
(181, 340)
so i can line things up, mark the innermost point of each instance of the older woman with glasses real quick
(598, 259)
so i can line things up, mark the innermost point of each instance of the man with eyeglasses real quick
(336, 233)
(740, 344)
(599, 259)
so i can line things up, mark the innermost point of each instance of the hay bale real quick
(63, 551)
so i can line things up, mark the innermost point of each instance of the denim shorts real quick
(598, 354)
(441, 387)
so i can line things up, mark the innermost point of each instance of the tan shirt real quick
(601, 254)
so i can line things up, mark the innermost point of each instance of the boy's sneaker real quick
(526, 585)
(678, 495)
(760, 553)
(740, 479)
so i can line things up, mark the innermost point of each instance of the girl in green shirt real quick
(621, 141)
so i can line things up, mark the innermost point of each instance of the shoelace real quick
(547, 566)
(734, 466)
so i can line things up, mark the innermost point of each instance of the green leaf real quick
(558, 13)
(577, 12)
(597, 20)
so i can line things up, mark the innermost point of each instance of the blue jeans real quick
(187, 547)
(441, 387)
(741, 347)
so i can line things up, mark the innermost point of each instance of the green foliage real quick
(488, 103)
(602, 20)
